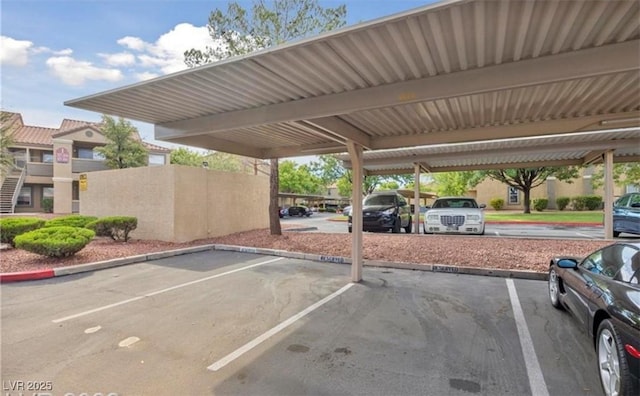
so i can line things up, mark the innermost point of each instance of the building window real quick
(19, 157)
(156, 159)
(47, 192)
(514, 196)
(47, 157)
(24, 198)
(89, 153)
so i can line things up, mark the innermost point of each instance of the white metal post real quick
(416, 198)
(608, 194)
(355, 152)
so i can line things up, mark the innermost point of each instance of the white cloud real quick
(14, 52)
(146, 76)
(133, 43)
(166, 55)
(74, 72)
(45, 50)
(119, 59)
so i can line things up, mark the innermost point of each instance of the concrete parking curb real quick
(80, 268)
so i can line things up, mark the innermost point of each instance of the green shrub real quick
(114, 227)
(47, 205)
(540, 204)
(71, 221)
(578, 203)
(562, 202)
(59, 241)
(331, 210)
(496, 203)
(13, 226)
(322, 210)
(593, 202)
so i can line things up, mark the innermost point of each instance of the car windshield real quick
(379, 200)
(455, 203)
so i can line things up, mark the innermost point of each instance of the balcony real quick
(39, 169)
(82, 165)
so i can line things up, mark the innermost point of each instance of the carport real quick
(579, 148)
(452, 72)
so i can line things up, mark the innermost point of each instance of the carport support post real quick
(416, 198)
(608, 194)
(355, 152)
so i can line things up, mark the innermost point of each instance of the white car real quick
(455, 215)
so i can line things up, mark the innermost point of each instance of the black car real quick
(626, 214)
(384, 211)
(299, 211)
(602, 292)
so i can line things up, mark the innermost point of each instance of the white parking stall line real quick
(536, 379)
(585, 235)
(168, 289)
(273, 331)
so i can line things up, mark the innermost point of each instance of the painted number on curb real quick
(332, 259)
(248, 250)
(444, 268)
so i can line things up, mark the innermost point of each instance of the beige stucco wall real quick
(490, 189)
(179, 203)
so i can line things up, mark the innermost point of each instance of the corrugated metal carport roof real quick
(455, 71)
(555, 150)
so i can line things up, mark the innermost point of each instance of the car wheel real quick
(612, 363)
(554, 288)
(396, 226)
(616, 234)
(407, 229)
(349, 229)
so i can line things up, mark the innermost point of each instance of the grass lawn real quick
(547, 217)
(543, 217)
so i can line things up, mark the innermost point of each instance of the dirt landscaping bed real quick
(478, 252)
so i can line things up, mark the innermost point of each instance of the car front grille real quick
(448, 220)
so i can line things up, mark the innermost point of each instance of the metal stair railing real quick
(16, 191)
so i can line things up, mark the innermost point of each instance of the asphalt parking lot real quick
(236, 323)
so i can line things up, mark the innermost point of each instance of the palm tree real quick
(6, 141)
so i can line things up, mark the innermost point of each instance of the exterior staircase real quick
(10, 189)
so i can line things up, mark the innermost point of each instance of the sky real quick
(52, 51)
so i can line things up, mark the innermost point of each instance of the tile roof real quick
(28, 134)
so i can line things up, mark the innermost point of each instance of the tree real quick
(184, 156)
(328, 169)
(223, 162)
(623, 174)
(525, 179)
(6, 141)
(454, 183)
(239, 32)
(370, 183)
(297, 179)
(122, 150)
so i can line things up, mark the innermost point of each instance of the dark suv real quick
(384, 211)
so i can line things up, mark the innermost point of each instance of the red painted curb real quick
(27, 275)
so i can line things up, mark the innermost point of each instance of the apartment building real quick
(550, 189)
(49, 162)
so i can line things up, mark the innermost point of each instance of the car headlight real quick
(432, 217)
(389, 212)
(474, 217)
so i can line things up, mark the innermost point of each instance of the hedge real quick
(496, 203)
(71, 221)
(589, 202)
(14, 226)
(540, 204)
(60, 241)
(114, 227)
(562, 202)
